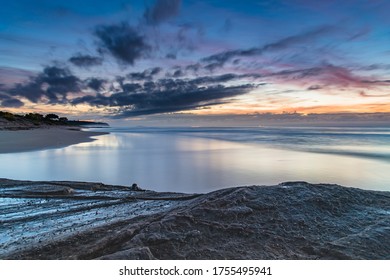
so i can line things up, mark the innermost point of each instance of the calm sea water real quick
(202, 160)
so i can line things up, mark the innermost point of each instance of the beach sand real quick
(42, 138)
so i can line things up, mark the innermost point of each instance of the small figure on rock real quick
(134, 187)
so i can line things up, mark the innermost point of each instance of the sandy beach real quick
(42, 138)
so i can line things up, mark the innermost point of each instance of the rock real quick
(142, 253)
(50, 190)
(134, 187)
(303, 221)
(294, 220)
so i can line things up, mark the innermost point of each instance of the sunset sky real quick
(164, 60)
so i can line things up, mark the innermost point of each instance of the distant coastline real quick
(32, 132)
(9, 121)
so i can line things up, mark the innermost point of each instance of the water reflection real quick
(173, 162)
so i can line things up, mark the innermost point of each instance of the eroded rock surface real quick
(295, 220)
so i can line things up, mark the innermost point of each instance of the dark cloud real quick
(139, 76)
(174, 101)
(85, 61)
(213, 66)
(178, 73)
(375, 67)
(12, 103)
(145, 75)
(376, 81)
(95, 83)
(218, 60)
(155, 70)
(53, 82)
(131, 87)
(161, 11)
(123, 42)
(314, 87)
(150, 86)
(215, 79)
(167, 95)
(4, 96)
(194, 67)
(32, 90)
(98, 101)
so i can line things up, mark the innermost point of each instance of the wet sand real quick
(42, 138)
(293, 220)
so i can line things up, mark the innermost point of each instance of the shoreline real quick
(43, 138)
(292, 220)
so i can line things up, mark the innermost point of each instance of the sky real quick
(218, 62)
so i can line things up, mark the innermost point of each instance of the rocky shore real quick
(293, 220)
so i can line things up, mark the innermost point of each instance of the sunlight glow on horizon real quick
(200, 58)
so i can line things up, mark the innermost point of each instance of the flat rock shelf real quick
(292, 220)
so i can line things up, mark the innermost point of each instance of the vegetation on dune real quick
(36, 119)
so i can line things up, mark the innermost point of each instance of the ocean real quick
(199, 160)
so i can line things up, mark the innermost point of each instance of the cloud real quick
(131, 87)
(145, 75)
(155, 70)
(375, 67)
(174, 101)
(364, 94)
(178, 73)
(194, 67)
(215, 79)
(139, 76)
(9, 102)
(85, 61)
(95, 83)
(213, 66)
(218, 60)
(297, 74)
(333, 75)
(314, 87)
(11, 75)
(12, 103)
(379, 82)
(161, 11)
(123, 42)
(166, 95)
(52, 83)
